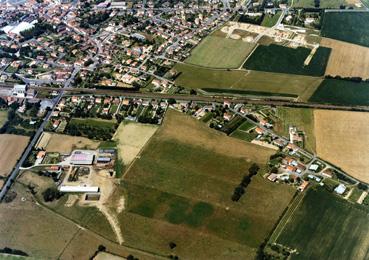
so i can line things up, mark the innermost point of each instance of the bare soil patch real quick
(342, 138)
(65, 144)
(347, 59)
(11, 148)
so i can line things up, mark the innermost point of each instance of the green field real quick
(277, 58)
(348, 26)
(270, 20)
(180, 190)
(3, 117)
(302, 118)
(257, 81)
(342, 92)
(327, 227)
(93, 122)
(323, 3)
(220, 52)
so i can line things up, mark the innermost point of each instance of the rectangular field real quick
(327, 227)
(347, 26)
(182, 184)
(346, 59)
(220, 52)
(65, 144)
(254, 81)
(276, 58)
(342, 138)
(342, 92)
(326, 3)
(11, 149)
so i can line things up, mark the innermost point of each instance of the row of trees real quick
(240, 189)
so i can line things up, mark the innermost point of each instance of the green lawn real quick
(93, 122)
(254, 81)
(220, 52)
(342, 92)
(181, 191)
(277, 58)
(327, 227)
(348, 26)
(302, 118)
(270, 20)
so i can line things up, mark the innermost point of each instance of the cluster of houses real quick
(106, 107)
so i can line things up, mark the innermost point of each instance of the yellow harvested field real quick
(131, 139)
(342, 138)
(347, 59)
(11, 148)
(65, 144)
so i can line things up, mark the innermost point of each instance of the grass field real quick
(180, 189)
(257, 81)
(65, 144)
(342, 92)
(276, 58)
(101, 123)
(42, 234)
(325, 3)
(346, 59)
(220, 52)
(11, 148)
(342, 139)
(3, 117)
(348, 26)
(327, 227)
(131, 137)
(302, 118)
(270, 20)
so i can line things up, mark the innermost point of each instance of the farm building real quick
(101, 159)
(82, 158)
(82, 189)
(340, 189)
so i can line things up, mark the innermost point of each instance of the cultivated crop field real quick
(180, 190)
(326, 3)
(342, 92)
(327, 227)
(256, 81)
(220, 52)
(65, 144)
(346, 59)
(342, 138)
(11, 149)
(302, 118)
(276, 58)
(347, 26)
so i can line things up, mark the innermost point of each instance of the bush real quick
(51, 194)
